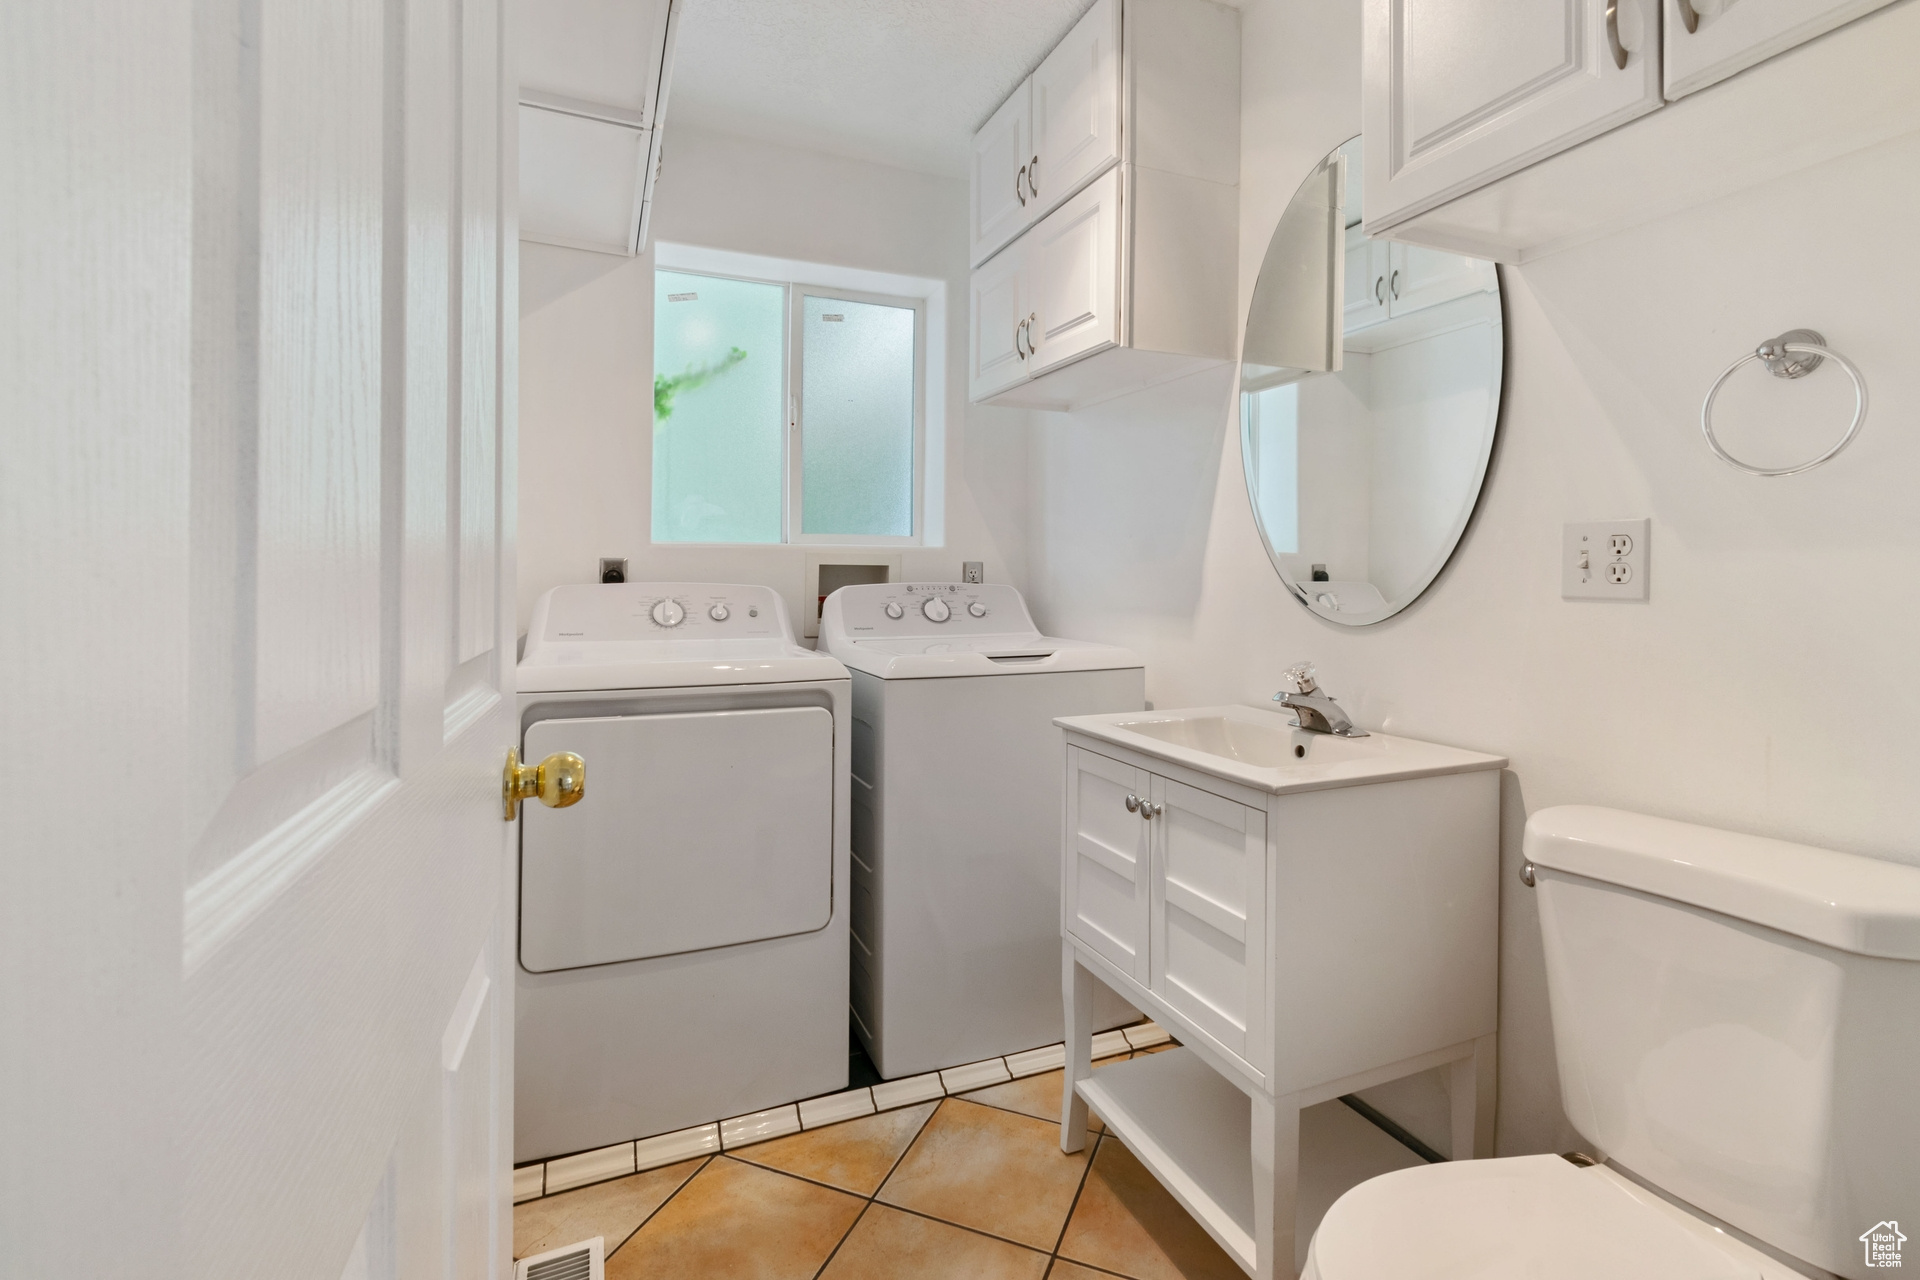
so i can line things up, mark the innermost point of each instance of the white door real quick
(257, 370)
(1209, 907)
(1470, 93)
(1104, 867)
(1000, 204)
(998, 324)
(1708, 40)
(1076, 108)
(1419, 277)
(1073, 262)
(1365, 296)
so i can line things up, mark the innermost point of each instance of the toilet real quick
(1737, 1022)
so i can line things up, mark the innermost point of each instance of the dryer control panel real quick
(893, 610)
(627, 611)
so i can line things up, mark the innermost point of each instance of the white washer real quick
(956, 815)
(683, 929)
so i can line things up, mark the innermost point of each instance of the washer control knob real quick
(936, 610)
(668, 613)
(894, 610)
(719, 613)
(977, 609)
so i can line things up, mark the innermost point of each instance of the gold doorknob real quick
(557, 781)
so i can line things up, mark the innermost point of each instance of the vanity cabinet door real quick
(1076, 108)
(1208, 910)
(1468, 93)
(999, 205)
(1073, 261)
(1104, 894)
(1728, 37)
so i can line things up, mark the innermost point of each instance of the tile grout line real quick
(874, 1197)
(704, 1162)
(1067, 1221)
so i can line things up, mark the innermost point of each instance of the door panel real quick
(1455, 96)
(1000, 208)
(1073, 262)
(1209, 907)
(1728, 37)
(1366, 281)
(1076, 107)
(1105, 894)
(675, 856)
(1420, 277)
(998, 304)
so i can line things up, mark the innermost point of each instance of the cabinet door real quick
(1421, 277)
(999, 207)
(1469, 93)
(1104, 867)
(1724, 37)
(1208, 905)
(1076, 108)
(1366, 287)
(998, 304)
(1073, 261)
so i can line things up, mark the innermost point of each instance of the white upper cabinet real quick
(1000, 204)
(1105, 210)
(1511, 129)
(1471, 92)
(1366, 281)
(1419, 277)
(593, 89)
(1076, 108)
(1708, 40)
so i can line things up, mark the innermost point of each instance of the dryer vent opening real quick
(835, 576)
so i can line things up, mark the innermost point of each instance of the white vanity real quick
(1308, 914)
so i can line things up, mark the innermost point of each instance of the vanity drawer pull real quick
(1133, 804)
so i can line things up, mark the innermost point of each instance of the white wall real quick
(586, 366)
(1772, 682)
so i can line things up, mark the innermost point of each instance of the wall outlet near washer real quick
(1604, 560)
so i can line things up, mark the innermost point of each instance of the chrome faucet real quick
(1313, 709)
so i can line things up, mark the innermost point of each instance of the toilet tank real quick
(1737, 1021)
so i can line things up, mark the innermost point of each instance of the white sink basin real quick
(1265, 749)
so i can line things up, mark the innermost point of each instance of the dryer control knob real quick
(894, 610)
(719, 613)
(936, 610)
(668, 613)
(977, 609)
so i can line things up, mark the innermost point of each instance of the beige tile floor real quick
(972, 1187)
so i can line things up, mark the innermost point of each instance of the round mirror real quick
(1369, 392)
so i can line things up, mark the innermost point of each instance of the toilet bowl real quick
(1733, 1022)
(1522, 1218)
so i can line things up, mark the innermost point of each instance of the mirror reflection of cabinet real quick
(1386, 279)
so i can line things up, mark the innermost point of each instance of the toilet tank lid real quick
(1867, 906)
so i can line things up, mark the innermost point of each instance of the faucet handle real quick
(1299, 678)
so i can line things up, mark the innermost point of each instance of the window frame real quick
(792, 451)
(795, 454)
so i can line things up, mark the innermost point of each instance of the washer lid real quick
(927, 630)
(1521, 1218)
(654, 635)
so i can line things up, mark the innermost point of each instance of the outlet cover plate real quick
(1604, 560)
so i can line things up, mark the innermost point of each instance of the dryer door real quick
(706, 830)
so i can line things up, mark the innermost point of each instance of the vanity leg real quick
(1276, 1186)
(1471, 1091)
(1076, 990)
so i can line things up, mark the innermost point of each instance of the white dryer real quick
(683, 930)
(957, 777)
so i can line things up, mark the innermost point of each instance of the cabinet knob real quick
(1133, 804)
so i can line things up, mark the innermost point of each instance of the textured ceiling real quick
(902, 82)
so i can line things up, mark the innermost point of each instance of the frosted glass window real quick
(1273, 440)
(856, 418)
(719, 395)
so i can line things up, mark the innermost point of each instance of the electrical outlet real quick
(1604, 560)
(972, 571)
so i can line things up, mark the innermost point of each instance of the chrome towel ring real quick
(1794, 354)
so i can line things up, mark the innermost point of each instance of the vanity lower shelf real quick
(1188, 1125)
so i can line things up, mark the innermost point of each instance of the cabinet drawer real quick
(1104, 894)
(1208, 885)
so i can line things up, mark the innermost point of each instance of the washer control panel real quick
(890, 610)
(666, 611)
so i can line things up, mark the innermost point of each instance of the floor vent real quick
(583, 1261)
